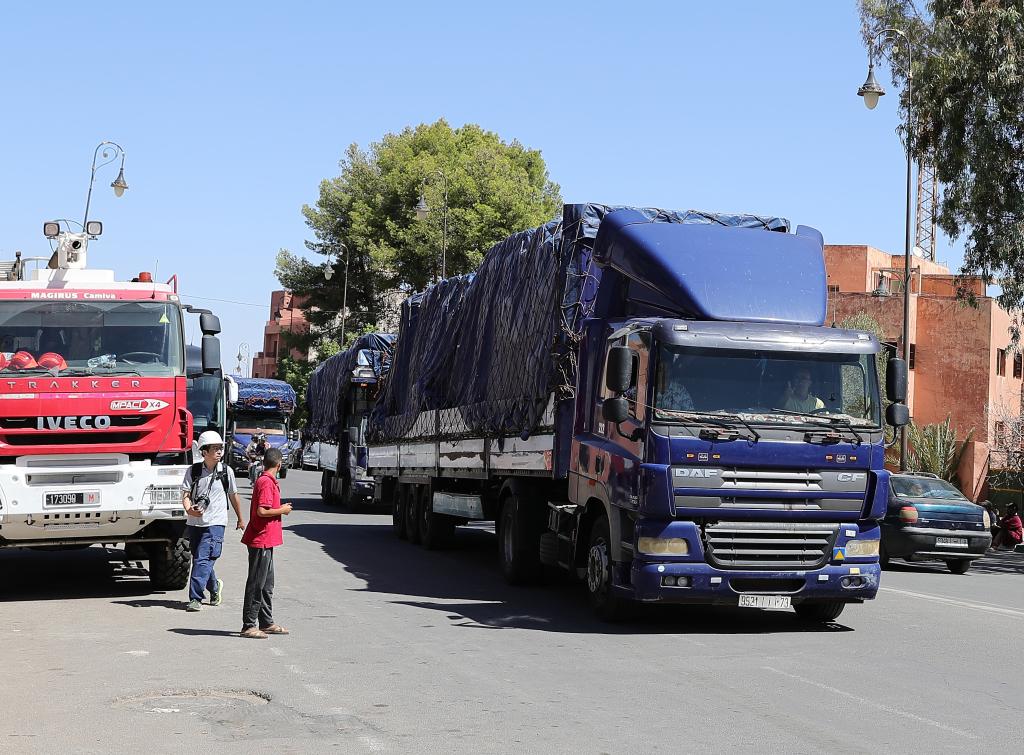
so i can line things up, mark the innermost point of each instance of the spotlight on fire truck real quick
(51, 229)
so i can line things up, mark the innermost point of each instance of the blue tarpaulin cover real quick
(497, 343)
(264, 395)
(373, 351)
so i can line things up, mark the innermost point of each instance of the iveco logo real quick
(703, 473)
(849, 477)
(99, 422)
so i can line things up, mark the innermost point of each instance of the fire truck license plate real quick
(87, 497)
(765, 601)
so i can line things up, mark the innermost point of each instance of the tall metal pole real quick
(907, 248)
(344, 298)
(92, 176)
(444, 224)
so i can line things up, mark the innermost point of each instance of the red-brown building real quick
(959, 363)
(286, 316)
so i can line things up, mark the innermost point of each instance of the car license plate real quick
(765, 601)
(951, 542)
(80, 498)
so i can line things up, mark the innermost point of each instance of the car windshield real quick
(925, 487)
(767, 387)
(91, 337)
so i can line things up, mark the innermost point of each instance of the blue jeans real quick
(206, 544)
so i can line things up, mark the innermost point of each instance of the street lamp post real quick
(328, 274)
(110, 152)
(871, 90)
(423, 212)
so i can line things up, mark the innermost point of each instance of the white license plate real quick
(80, 498)
(951, 542)
(765, 601)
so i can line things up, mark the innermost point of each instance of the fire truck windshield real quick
(78, 337)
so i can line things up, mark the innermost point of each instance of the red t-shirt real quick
(262, 531)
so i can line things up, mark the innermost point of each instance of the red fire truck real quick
(95, 435)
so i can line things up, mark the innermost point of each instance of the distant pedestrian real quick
(1010, 529)
(261, 536)
(208, 487)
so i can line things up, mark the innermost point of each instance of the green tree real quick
(297, 372)
(864, 321)
(935, 449)
(968, 111)
(493, 188)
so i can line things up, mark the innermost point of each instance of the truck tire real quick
(412, 512)
(326, 493)
(169, 564)
(283, 473)
(819, 612)
(606, 604)
(518, 542)
(436, 530)
(398, 512)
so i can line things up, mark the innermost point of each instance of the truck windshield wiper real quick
(721, 420)
(833, 421)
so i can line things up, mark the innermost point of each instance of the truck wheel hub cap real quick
(597, 567)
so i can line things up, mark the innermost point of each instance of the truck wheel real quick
(819, 612)
(958, 565)
(283, 473)
(412, 513)
(606, 604)
(518, 543)
(398, 511)
(883, 556)
(436, 530)
(326, 489)
(169, 564)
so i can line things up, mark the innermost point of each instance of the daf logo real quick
(86, 422)
(849, 476)
(702, 473)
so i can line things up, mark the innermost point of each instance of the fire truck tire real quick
(169, 565)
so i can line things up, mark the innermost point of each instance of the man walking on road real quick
(261, 536)
(206, 490)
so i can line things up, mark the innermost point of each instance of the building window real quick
(1000, 435)
(1018, 365)
(1001, 362)
(913, 356)
(833, 289)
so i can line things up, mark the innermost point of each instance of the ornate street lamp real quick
(110, 152)
(423, 212)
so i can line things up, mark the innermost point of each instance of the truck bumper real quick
(708, 585)
(57, 499)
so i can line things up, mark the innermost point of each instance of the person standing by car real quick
(261, 537)
(1010, 529)
(205, 493)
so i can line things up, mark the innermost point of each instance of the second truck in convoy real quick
(649, 400)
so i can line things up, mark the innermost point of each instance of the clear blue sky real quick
(231, 113)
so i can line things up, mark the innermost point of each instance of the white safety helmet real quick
(210, 438)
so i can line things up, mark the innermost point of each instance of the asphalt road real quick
(396, 649)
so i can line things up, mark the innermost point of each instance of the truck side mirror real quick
(619, 374)
(209, 323)
(897, 415)
(211, 355)
(896, 381)
(232, 391)
(615, 410)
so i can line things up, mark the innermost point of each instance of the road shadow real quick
(994, 562)
(92, 572)
(178, 605)
(203, 632)
(465, 585)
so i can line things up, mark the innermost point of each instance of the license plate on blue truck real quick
(765, 601)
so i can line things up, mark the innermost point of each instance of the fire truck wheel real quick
(169, 565)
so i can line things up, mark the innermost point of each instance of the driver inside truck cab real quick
(798, 397)
(82, 343)
(671, 392)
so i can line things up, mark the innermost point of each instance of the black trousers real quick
(259, 589)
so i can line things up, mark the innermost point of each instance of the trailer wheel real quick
(606, 604)
(436, 530)
(169, 564)
(412, 513)
(518, 542)
(398, 511)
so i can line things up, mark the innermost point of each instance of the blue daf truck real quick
(650, 400)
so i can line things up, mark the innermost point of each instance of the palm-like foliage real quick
(935, 449)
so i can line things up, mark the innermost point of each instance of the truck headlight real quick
(861, 548)
(986, 519)
(663, 546)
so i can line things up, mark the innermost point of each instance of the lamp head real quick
(422, 208)
(119, 185)
(328, 271)
(871, 90)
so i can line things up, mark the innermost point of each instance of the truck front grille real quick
(768, 545)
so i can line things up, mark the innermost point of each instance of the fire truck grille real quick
(31, 423)
(71, 438)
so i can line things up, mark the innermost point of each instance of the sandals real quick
(253, 633)
(274, 629)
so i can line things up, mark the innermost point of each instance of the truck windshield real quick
(774, 387)
(261, 424)
(78, 337)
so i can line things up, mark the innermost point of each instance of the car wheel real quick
(958, 565)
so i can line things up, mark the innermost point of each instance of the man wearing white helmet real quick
(208, 487)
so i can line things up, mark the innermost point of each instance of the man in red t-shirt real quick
(262, 535)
